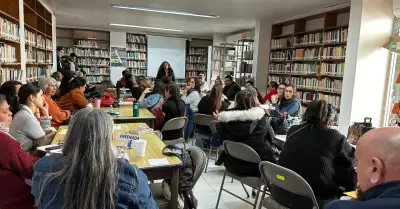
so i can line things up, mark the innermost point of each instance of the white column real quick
(22, 40)
(218, 39)
(117, 39)
(54, 39)
(367, 64)
(262, 44)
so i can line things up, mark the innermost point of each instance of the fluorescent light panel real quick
(145, 27)
(163, 11)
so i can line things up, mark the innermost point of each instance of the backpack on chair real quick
(186, 175)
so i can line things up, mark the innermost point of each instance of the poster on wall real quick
(118, 57)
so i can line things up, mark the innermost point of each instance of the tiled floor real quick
(207, 189)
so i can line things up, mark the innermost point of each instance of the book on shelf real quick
(41, 57)
(35, 73)
(40, 41)
(198, 67)
(308, 39)
(10, 74)
(31, 55)
(334, 69)
(49, 44)
(196, 59)
(137, 72)
(279, 68)
(279, 43)
(336, 36)
(94, 62)
(9, 30)
(97, 79)
(136, 64)
(87, 43)
(30, 38)
(133, 38)
(49, 57)
(300, 68)
(338, 52)
(91, 53)
(197, 51)
(307, 54)
(7, 53)
(96, 71)
(136, 47)
(307, 97)
(136, 55)
(281, 55)
(67, 51)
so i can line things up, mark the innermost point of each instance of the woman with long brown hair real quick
(214, 102)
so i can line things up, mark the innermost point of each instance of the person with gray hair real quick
(59, 116)
(88, 174)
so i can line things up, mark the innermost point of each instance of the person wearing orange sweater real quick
(74, 98)
(49, 87)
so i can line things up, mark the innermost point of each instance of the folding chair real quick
(174, 124)
(285, 179)
(246, 153)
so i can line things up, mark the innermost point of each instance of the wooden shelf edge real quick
(9, 17)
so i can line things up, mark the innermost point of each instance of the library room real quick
(187, 104)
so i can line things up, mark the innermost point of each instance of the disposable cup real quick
(97, 103)
(140, 147)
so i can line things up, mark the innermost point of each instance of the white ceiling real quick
(234, 15)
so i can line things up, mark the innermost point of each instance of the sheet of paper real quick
(116, 128)
(56, 151)
(161, 161)
(63, 131)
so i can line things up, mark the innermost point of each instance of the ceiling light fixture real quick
(145, 27)
(163, 11)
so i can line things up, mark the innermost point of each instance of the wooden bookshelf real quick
(10, 50)
(197, 57)
(136, 51)
(38, 40)
(92, 49)
(310, 52)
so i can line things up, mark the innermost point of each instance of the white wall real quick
(218, 39)
(262, 45)
(367, 62)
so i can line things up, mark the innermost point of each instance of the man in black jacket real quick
(378, 171)
(231, 88)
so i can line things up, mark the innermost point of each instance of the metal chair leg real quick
(208, 159)
(247, 193)
(232, 180)
(257, 195)
(220, 190)
(262, 197)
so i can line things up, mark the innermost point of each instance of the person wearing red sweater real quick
(16, 166)
(272, 90)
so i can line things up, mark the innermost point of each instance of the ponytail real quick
(174, 92)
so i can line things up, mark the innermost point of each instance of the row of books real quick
(95, 62)
(279, 68)
(136, 55)
(95, 71)
(87, 43)
(97, 79)
(90, 52)
(196, 59)
(7, 53)
(35, 73)
(336, 36)
(324, 84)
(136, 47)
(49, 44)
(137, 64)
(306, 54)
(196, 67)
(136, 38)
(137, 72)
(197, 51)
(279, 43)
(41, 57)
(308, 39)
(9, 30)
(309, 96)
(334, 52)
(299, 68)
(49, 57)
(193, 73)
(30, 38)
(279, 79)
(281, 55)
(10, 74)
(30, 54)
(333, 69)
(67, 50)
(41, 41)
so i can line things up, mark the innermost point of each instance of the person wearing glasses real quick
(288, 104)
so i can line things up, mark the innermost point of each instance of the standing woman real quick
(10, 90)
(174, 107)
(165, 69)
(191, 94)
(25, 127)
(289, 103)
(16, 166)
(108, 182)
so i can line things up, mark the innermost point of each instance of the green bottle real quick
(135, 109)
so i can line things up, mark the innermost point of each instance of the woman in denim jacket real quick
(88, 174)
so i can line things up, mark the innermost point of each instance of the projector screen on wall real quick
(172, 50)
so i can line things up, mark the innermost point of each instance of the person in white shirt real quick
(204, 87)
(191, 94)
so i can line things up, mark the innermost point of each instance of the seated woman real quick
(250, 85)
(10, 90)
(25, 127)
(173, 107)
(74, 99)
(108, 182)
(135, 86)
(154, 97)
(272, 90)
(16, 166)
(289, 104)
(319, 154)
(49, 87)
(249, 124)
(214, 102)
(191, 94)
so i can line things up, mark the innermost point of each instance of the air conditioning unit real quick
(396, 8)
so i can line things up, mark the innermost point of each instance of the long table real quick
(153, 151)
(126, 115)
